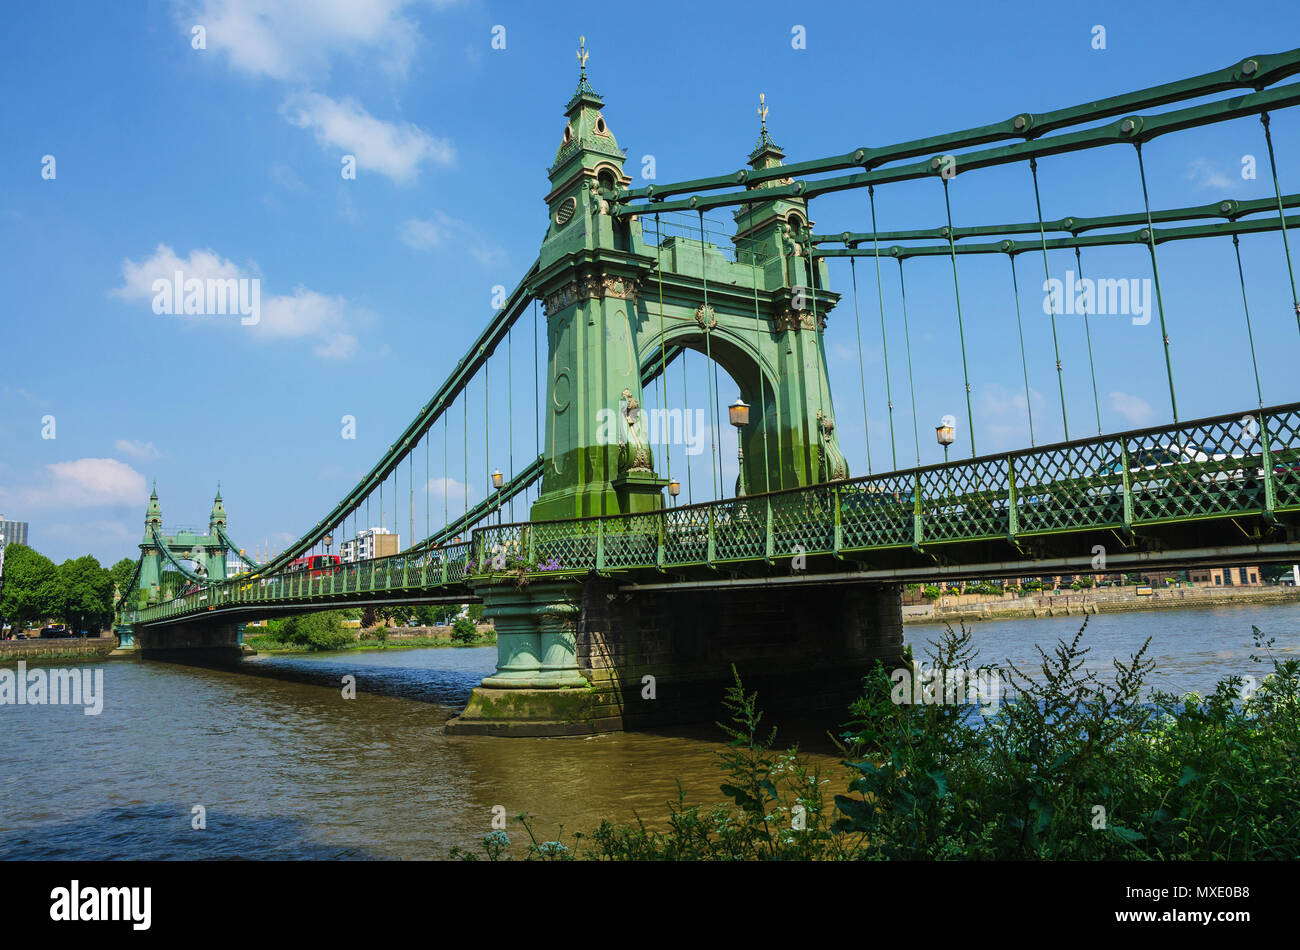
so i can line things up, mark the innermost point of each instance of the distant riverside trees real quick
(78, 592)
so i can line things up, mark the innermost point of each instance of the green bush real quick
(464, 631)
(931, 593)
(1071, 768)
(322, 630)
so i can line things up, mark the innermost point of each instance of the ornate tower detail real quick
(591, 279)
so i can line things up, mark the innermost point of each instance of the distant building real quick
(1248, 576)
(370, 543)
(12, 532)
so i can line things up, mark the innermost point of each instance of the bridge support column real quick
(193, 641)
(537, 689)
(578, 659)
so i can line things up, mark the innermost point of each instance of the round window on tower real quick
(600, 125)
(564, 213)
(568, 134)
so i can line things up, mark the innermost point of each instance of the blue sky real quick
(227, 159)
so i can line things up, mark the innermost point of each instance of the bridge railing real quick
(1220, 467)
(423, 570)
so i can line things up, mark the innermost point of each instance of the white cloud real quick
(307, 313)
(441, 230)
(1133, 408)
(304, 314)
(81, 483)
(299, 39)
(1204, 173)
(451, 489)
(393, 149)
(144, 451)
(138, 276)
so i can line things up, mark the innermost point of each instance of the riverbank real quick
(267, 644)
(91, 648)
(954, 608)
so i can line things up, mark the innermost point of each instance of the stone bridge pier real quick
(194, 641)
(582, 658)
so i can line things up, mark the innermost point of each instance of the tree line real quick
(79, 592)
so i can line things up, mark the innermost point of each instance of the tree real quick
(474, 612)
(464, 631)
(85, 597)
(321, 630)
(122, 572)
(31, 585)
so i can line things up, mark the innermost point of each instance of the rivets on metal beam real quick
(859, 155)
(1020, 122)
(742, 176)
(1248, 67)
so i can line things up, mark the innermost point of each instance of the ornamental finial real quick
(762, 109)
(582, 55)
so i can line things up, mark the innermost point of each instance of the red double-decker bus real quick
(317, 565)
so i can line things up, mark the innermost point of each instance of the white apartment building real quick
(370, 543)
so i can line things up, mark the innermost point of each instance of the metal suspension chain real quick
(1024, 361)
(1087, 331)
(1155, 271)
(1250, 334)
(862, 373)
(884, 342)
(961, 330)
(1051, 298)
(1277, 192)
(907, 341)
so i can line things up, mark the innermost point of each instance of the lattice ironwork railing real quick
(444, 567)
(1222, 467)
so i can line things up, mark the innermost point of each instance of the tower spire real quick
(766, 148)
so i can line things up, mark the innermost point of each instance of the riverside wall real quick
(1068, 603)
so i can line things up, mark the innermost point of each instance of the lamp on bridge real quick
(946, 433)
(497, 481)
(674, 489)
(739, 413)
(329, 540)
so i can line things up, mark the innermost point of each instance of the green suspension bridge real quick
(603, 580)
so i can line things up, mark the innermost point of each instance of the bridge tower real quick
(612, 301)
(150, 553)
(215, 548)
(572, 655)
(598, 460)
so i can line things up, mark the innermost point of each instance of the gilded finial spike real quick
(762, 109)
(582, 54)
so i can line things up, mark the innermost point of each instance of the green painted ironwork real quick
(1224, 468)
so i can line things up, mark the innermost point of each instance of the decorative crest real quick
(582, 56)
(762, 110)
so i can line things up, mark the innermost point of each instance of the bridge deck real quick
(1221, 488)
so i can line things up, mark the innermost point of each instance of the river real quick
(284, 767)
